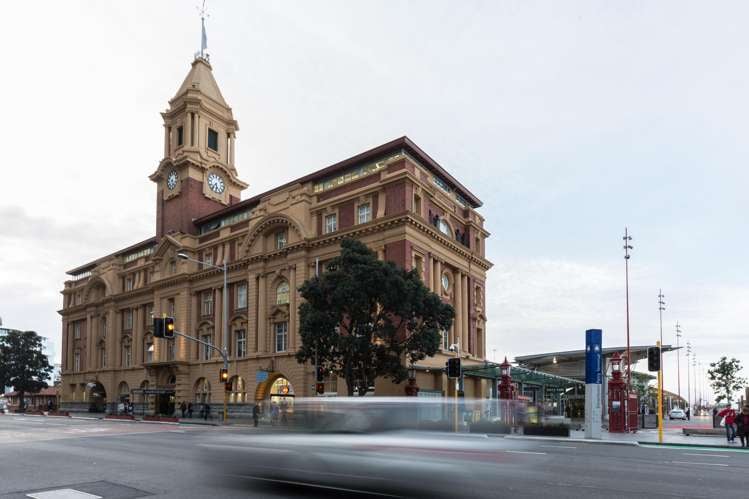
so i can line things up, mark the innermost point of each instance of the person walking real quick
(688, 411)
(255, 415)
(729, 418)
(742, 426)
(183, 408)
(206, 412)
(189, 410)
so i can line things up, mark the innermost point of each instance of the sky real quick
(569, 120)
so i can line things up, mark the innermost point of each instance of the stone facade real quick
(394, 198)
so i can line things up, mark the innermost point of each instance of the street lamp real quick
(627, 246)
(678, 366)
(224, 315)
(661, 308)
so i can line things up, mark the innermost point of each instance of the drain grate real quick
(88, 490)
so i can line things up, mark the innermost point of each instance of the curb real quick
(566, 439)
(693, 446)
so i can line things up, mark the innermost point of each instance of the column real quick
(192, 129)
(292, 309)
(429, 266)
(167, 134)
(218, 324)
(261, 316)
(464, 313)
(252, 314)
(192, 347)
(65, 347)
(437, 277)
(90, 344)
(232, 140)
(458, 294)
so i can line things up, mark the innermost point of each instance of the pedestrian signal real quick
(453, 368)
(654, 359)
(319, 374)
(320, 388)
(168, 327)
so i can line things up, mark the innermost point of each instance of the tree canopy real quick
(725, 379)
(23, 364)
(363, 318)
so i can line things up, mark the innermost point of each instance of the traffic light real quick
(453, 368)
(654, 359)
(319, 374)
(158, 327)
(320, 388)
(223, 375)
(168, 327)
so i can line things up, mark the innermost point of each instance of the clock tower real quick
(197, 175)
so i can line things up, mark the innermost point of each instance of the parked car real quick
(677, 413)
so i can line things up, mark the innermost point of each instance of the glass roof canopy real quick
(521, 375)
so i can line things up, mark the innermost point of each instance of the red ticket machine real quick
(617, 397)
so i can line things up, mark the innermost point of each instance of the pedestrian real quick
(688, 413)
(255, 415)
(206, 411)
(742, 426)
(189, 410)
(729, 418)
(183, 408)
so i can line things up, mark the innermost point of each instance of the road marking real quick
(706, 455)
(700, 464)
(559, 446)
(525, 452)
(316, 486)
(63, 494)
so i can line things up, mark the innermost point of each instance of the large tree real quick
(23, 364)
(725, 379)
(363, 318)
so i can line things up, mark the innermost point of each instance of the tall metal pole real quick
(660, 400)
(225, 316)
(694, 373)
(627, 246)
(689, 384)
(661, 308)
(678, 366)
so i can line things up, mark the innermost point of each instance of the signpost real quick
(593, 409)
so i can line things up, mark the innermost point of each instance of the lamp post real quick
(627, 246)
(689, 388)
(661, 308)
(224, 316)
(678, 366)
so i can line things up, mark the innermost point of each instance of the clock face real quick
(171, 180)
(216, 183)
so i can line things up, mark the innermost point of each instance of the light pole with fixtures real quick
(678, 366)
(661, 308)
(627, 246)
(224, 316)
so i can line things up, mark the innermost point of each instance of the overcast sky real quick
(569, 120)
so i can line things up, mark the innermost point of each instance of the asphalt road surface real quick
(108, 459)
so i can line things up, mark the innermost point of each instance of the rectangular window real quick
(103, 357)
(212, 139)
(208, 258)
(331, 223)
(206, 350)
(77, 330)
(170, 350)
(207, 303)
(170, 307)
(280, 239)
(127, 319)
(77, 361)
(445, 340)
(149, 352)
(129, 283)
(417, 204)
(127, 356)
(364, 213)
(241, 336)
(180, 136)
(172, 266)
(282, 335)
(104, 326)
(241, 295)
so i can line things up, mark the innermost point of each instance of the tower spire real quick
(203, 54)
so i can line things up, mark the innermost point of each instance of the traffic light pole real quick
(660, 396)
(221, 352)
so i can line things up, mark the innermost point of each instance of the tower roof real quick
(200, 78)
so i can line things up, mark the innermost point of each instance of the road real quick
(128, 460)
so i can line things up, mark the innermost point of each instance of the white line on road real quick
(525, 452)
(706, 455)
(559, 446)
(699, 464)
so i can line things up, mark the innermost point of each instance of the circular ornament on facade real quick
(216, 183)
(171, 180)
(445, 283)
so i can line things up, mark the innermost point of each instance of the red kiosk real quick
(617, 397)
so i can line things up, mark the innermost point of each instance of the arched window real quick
(123, 391)
(282, 293)
(202, 391)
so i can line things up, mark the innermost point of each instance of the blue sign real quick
(261, 376)
(593, 356)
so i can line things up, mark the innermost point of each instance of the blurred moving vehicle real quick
(677, 413)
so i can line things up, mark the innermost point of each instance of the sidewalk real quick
(671, 436)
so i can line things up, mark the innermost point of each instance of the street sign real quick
(261, 376)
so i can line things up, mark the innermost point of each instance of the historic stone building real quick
(395, 198)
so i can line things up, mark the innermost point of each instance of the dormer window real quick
(281, 239)
(180, 135)
(212, 139)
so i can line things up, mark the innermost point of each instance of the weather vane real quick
(203, 54)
